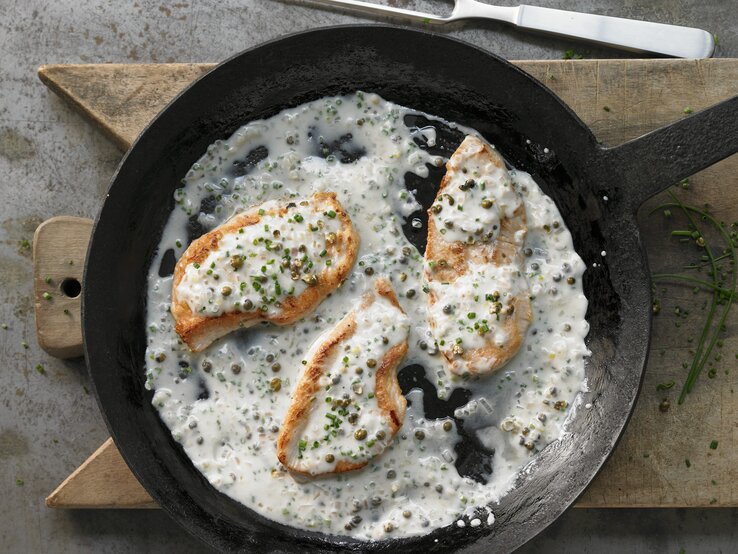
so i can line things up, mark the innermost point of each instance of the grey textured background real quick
(52, 162)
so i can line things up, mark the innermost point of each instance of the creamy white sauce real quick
(473, 309)
(230, 432)
(261, 264)
(474, 202)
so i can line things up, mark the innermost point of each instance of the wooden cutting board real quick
(664, 458)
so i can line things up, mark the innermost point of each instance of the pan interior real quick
(535, 133)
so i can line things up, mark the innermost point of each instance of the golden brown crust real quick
(387, 389)
(451, 260)
(198, 331)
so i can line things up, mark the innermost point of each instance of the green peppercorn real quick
(360, 434)
(311, 279)
(447, 426)
(571, 280)
(419, 434)
(276, 384)
(236, 369)
(226, 291)
(371, 363)
(330, 458)
(487, 203)
(276, 367)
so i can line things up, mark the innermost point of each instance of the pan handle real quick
(649, 164)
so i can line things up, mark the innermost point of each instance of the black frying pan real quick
(460, 83)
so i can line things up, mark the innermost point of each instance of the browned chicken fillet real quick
(274, 262)
(348, 404)
(479, 302)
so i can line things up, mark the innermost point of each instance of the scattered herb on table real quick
(721, 283)
(41, 369)
(571, 55)
(713, 445)
(20, 482)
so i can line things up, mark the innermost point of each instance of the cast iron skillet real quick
(534, 130)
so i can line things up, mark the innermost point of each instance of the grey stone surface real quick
(52, 162)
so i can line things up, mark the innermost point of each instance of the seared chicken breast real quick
(274, 262)
(479, 301)
(348, 404)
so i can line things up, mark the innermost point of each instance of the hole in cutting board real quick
(71, 288)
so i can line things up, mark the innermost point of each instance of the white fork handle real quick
(628, 34)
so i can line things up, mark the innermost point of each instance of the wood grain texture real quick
(59, 250)
(619, 100)
(140, 92)
(103, 481)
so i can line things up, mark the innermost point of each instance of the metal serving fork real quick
(627, 34)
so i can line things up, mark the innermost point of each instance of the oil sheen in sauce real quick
(225, 404)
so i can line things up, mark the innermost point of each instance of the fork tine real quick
(378, 9)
